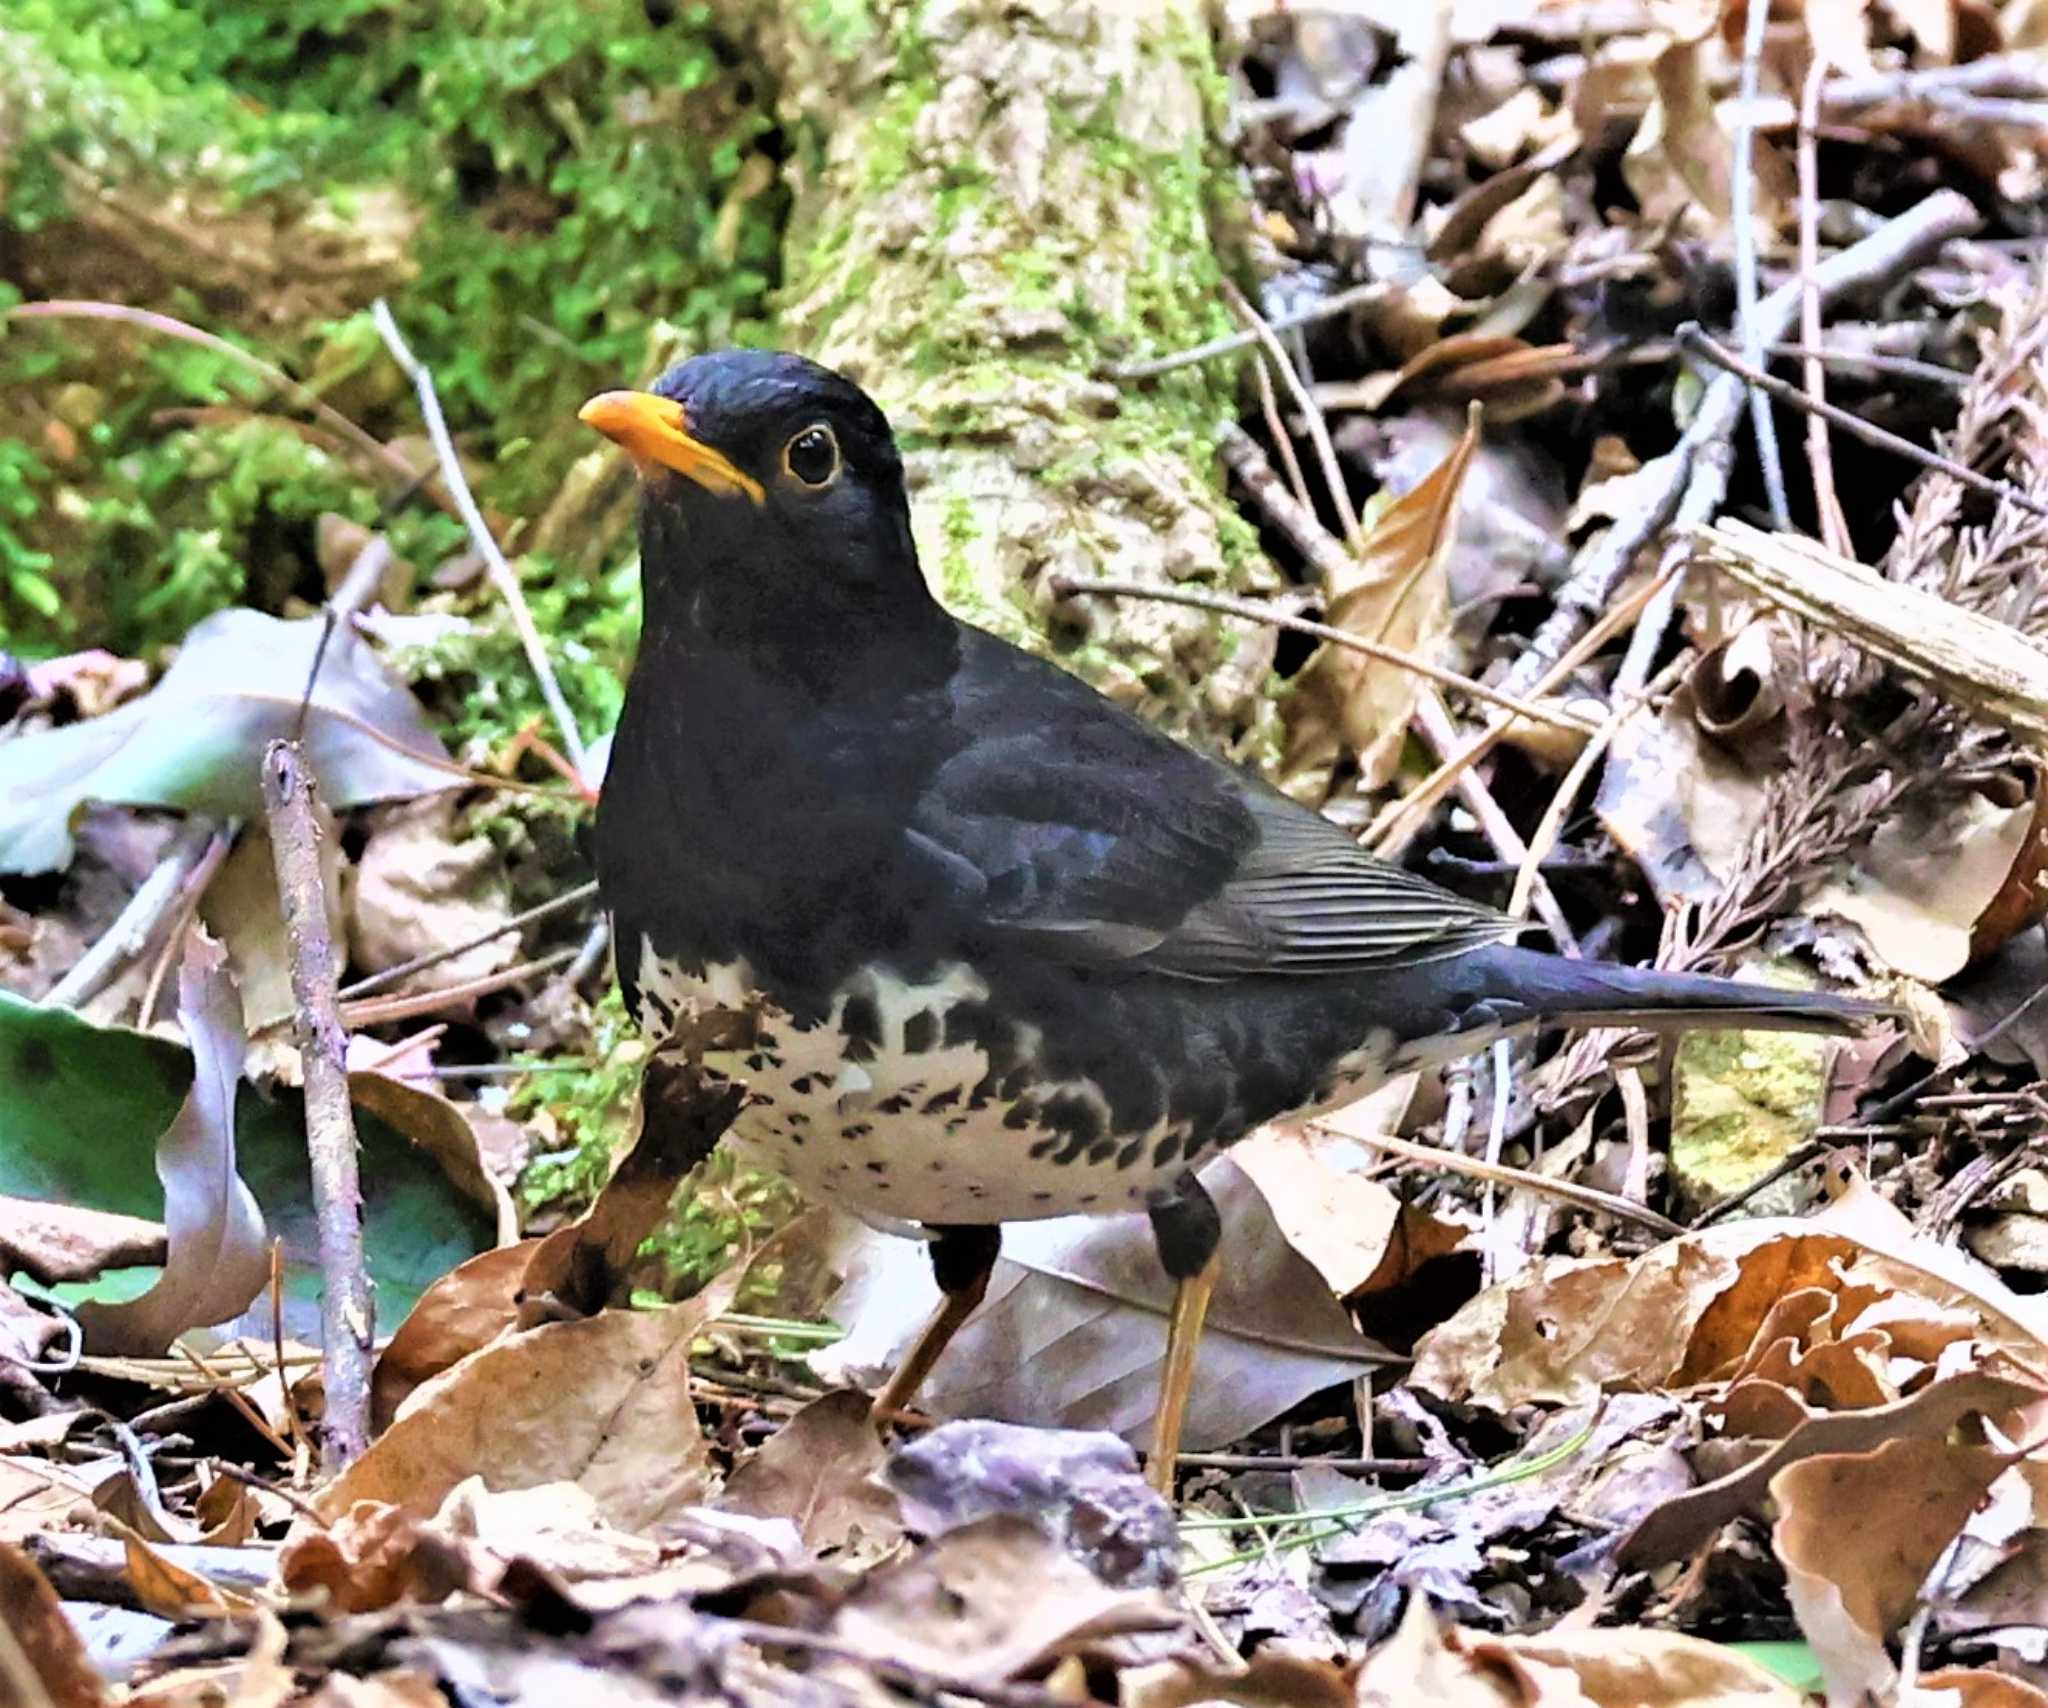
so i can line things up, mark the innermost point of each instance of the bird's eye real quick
(813, 456)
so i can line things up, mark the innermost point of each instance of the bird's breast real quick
(908, 1098)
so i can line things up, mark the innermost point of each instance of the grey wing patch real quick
(1309, 902)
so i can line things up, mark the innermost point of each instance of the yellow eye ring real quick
(812, 456)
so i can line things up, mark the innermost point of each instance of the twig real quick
(1444, 736)
(153, 902)
(1903, 367)
(190, 894)
(1565, 1191)
(1312, 418)
(434, 957)
(169, 326)
(1397, 823)
(1225, 605)
(1353, 1467)
(1230, 343)
(346, 1312)
(480, 534)
(1600, 568)
(1742, 213)
(1242, 456)
(1283, 441)
(380, 1010)
(1503, 1064)
(1820, 456)
(1883, 438)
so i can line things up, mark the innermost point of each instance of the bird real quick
(981, 945)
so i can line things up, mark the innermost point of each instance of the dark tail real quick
(1578, 993)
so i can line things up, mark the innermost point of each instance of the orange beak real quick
(655, 433)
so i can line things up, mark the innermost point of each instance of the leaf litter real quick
(1789, 1451)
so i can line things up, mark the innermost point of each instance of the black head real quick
(773, 502)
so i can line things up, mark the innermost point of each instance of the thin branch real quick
(1743, 216)
(1883, 438)
(1692, 469)
(1312, 418)
(347, 1315)
(1820, 456)
(1902, 367)
(1242, 456)
(1225, 605)
(1504, 1174)
(1342, 302)
(480, 535)
(434, 957)
(379, 1010)
(154, 901)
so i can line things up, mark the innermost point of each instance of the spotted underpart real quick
(907, 1102)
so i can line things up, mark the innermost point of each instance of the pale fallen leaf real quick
(417, 887)
(242, 909)
(1073, 1330)
(1397, 596)
(1910, 1498)
(954, 1607)
(219, 1254)
(374, 1555)
(1337, 1219)
(818, 1471)
(194, 740)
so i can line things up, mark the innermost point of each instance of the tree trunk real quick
(994, 202)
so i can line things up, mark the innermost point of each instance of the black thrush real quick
(1002, 949)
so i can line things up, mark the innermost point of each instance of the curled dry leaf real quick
(219, 1248)
(1910, 1498)
(1398, 596)
(193, 741)
(419, 887)
(467, 1308)
(71, 1242)
(443, 1131)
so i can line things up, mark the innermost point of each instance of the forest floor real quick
(1645, 419)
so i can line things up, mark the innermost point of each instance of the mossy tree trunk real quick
(993, 202)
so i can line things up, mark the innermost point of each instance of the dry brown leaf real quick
(219, 1247)
(1680, 1525)
(603, 1402)
(1337, 1219)
(33, 1618)
(1850, 1588)
(68, 1242)
(241, 908)
(395, 1689)
(467, 1308)
(374, 1555)
(417, 888)
(954, 1607)
(1398, 596)
(168, 1589)
(1979, 1687)
(817, 1471)
(1636, 1667)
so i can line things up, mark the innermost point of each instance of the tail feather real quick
(1578, 993)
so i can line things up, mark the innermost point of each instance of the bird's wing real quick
(1108, 844)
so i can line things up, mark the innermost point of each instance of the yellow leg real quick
(1177, 1378)
(946, 1321)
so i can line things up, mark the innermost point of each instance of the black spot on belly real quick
(1130, 1153)
(936, 1166)
(894, 1104)
(942, 1100)
(859, 1130)
(765, 1038)
(878, 1168)
(1018, 1116)
(803, 1084)
(1166, 1151)
(920, 1032)
(1041, 1197)
(1102, 1150)
(661, 1007)
(760, 1061)
(797, 1118)
(1043, 1148)
(861, 1021)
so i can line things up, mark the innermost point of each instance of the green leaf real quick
(196, 739)
(81, 1107)
(1795, 1663)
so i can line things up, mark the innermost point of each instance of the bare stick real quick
(1902, 367)
(434, 957)
(1743, 215)
(1241, 454)
(1357, 296)
(1894, 248)
(347, 1315)
(1820, 455)
(481, 537)
(1224, 605)
(379, 1010)
(1312, 418)
(154, 900)
(1883, 438)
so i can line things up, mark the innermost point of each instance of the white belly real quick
(895, 1138)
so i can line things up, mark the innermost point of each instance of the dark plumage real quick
(1008, 950)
